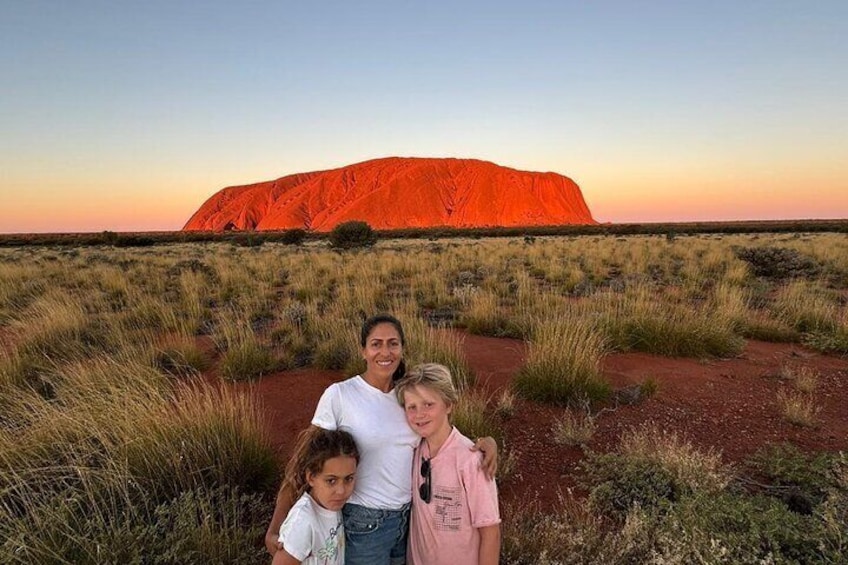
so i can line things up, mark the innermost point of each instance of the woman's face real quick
(383, 351)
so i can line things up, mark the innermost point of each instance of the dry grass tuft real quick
(798, 407)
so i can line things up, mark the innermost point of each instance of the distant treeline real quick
(296, 236)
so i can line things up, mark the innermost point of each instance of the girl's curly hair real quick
(314, 447)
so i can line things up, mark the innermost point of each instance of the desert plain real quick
(657, 398)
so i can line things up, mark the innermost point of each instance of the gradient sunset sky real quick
(128, 115)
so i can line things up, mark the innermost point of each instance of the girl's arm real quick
(282, 557)
(490, 544)
(285, 500)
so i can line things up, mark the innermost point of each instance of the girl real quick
(321, 473)
(455, 515)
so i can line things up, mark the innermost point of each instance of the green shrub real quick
(835, 341)
(778, 262)
(618, 483)
(351, 235)
(650, 468)
(794, 473)
(749, 529)
(293, 237)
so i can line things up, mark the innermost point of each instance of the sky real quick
(126, 115)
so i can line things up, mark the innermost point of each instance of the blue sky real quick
(128, 115)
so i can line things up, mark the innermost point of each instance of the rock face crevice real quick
(395, 193)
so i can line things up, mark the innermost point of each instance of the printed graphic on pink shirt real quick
(448, 502)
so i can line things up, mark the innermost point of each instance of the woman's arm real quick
(489, 447)
(285, 500)
(490, 545)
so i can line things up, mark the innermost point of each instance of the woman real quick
(376, 518)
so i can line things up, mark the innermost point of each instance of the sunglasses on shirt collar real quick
(425, 491)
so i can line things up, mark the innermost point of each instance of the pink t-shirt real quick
(463, 499)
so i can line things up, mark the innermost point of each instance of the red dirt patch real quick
(724, 404)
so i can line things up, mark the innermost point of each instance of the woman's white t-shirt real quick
(385, 441)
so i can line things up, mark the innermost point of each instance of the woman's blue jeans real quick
(375, 537)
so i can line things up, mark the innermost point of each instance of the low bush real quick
(794, 473)
(778, 262)
(182, 359)
(352, 235)
(636, 321)
(650, 469)
(293, 237)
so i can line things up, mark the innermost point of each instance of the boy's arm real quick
(490, 544)
(281, 509)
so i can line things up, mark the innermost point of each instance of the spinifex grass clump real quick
(244, 355)
(574, 427)
(486, 316)
(430, 345)
(563, 363)
(639, 320)
(472, 417)
(125, 469)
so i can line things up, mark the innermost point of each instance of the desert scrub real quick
(352, 235)
(243, 355)
(798, 407)
(563, 363)
(472, 417)
(795, 477)
(19, 286)
(181, 358)
(116, 525)
(113, 455)
(807, 307)
(778, 262)
(572, 534)
(650, 469)
(486, 316)
(574, 427)
(430, 345)
(636, 320)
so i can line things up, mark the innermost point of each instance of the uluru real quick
(395, 193)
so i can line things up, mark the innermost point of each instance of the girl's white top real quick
(312, 534)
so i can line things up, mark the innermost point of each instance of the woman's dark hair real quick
(314, 447)
(374, 321)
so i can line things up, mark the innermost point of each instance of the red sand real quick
(395, 193)
(726, 404)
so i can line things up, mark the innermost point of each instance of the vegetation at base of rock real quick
(352, 235)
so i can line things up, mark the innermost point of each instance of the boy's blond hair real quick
(431, 376)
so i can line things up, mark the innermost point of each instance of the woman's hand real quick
(489, 447)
